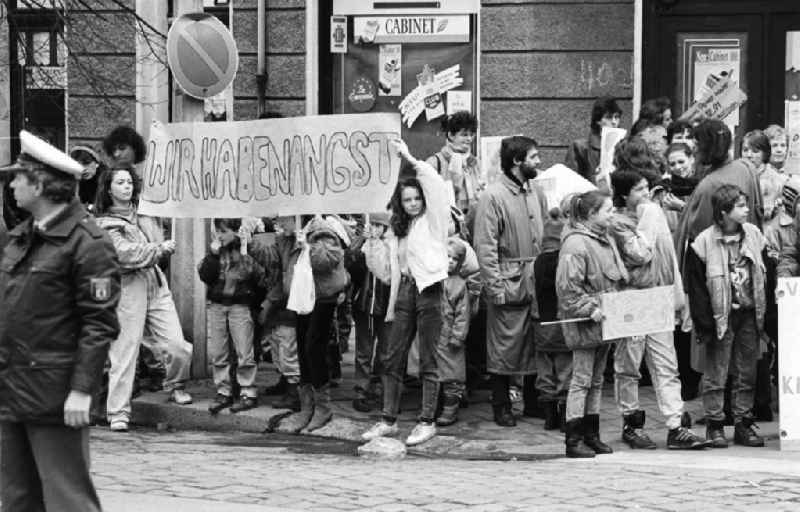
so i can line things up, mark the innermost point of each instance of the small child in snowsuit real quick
(553, 357)
(232, 279)
(450, 356)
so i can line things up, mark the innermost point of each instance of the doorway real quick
(687, 41)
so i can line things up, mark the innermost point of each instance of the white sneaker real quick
(180, 397)
(118, 425)
(380, 429)
(421, 433)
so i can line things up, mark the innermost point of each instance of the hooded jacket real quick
(327, 260)
(589, 265)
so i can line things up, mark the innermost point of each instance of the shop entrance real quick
(687, 41)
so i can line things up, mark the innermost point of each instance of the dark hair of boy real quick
(724, 199)
(603, 106)
(622, 181)
(514, 149)
(583, 205)
(232, 224)
(713, 142)
(461, 120)
(677, 127)
(125, 135)
(758, 141)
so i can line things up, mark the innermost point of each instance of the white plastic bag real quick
(301, 291)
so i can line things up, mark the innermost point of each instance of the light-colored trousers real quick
(658, 351)
(282, 341)
(237, 320)
(586, 385)
(138, 309)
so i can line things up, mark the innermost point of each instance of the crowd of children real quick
(678, 211)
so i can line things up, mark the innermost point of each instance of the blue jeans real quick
(371, 337)
(553, 374)
(414, 313)
(736, 353)
(237, 321)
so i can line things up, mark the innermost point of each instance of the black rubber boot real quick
(290, 400)
(503, 416)
(298, 421)
(591, 434)
(573, 439)
(632, 433)
(530, 398)
(551, 417)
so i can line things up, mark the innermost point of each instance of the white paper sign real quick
(458, 101)
(490, 157)
(788, 295)
(638, 312)
(609, 138)
(559, 181)
(792, 119)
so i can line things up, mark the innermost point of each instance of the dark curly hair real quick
(713, 142)
(602, 106)
(125, 135)
(400, 220)
(102, 200)
(461, 120)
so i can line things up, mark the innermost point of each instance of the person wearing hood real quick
(589, 265)
(508, 237)
(326, 253)
(146, 302)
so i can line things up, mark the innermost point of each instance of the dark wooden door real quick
(757, 27)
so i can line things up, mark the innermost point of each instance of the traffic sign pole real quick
(190, 237)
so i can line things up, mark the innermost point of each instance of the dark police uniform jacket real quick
(59, 289)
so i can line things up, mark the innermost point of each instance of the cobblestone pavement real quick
(146, 470)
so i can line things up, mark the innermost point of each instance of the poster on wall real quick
(712, 65)
(458, 101)
(390, 69)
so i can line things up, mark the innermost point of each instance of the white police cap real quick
(36, 150)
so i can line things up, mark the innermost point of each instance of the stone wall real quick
(285, 58)
(101, 69)
(543, 62)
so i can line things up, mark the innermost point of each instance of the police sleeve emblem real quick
(100, 288)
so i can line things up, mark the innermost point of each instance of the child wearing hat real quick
(367, 260)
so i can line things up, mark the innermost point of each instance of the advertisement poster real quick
(458, 101)
(711, 65)
(432, 97)
(389, 66)
(338, 34)
(792, 117)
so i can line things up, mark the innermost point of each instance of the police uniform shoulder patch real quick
(100, 288)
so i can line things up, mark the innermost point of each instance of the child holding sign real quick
(589, 264)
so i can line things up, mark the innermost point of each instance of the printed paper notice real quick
(458, 101)
(792, 117)
(609, 138)
(389, 63)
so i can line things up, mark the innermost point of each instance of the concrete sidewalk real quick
(475, 436)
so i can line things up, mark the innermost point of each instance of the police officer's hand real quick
(76, 409)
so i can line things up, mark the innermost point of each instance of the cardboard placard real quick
(788, 297)
(724, 97)
(609, 138)
(267, 167)
(638, 312)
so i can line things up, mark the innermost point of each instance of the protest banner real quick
(559, 181)
(723, 98)
(638, 312)
(788, 297)
(293, 166)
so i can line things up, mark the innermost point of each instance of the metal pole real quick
(261, 66)
(190, 237)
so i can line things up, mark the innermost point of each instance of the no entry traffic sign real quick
(202, 54)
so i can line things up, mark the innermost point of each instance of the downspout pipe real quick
(261, 66)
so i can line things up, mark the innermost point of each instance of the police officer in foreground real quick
(59, 288)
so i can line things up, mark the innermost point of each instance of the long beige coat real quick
(508, 237)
